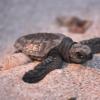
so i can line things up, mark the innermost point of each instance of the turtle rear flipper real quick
(93, 43)
(41, 70)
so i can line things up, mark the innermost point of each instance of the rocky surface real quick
(74, 80)
(20, 17)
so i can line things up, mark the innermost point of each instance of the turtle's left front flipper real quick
(94, 44)
(52, 62)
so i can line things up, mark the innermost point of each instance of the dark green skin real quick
(52, 57)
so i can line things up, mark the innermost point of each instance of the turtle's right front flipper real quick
(94, 44)
(41, 70)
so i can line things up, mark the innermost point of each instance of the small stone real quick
(14, 60)
(72, 98)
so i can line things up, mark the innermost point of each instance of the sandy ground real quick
(20, 17)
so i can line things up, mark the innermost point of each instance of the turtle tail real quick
(52, 62)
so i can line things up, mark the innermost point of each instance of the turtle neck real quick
(64, 48)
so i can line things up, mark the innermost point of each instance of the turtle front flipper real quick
(94, 44)
(52, 62)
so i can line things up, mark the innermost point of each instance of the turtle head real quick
(80, 53)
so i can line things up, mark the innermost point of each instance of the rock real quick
(14, 60)
(74, 24)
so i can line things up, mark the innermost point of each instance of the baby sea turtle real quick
(52, 50)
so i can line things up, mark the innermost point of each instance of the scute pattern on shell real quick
(45, 36)
(38, 44)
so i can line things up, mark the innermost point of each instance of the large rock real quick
(74, 80)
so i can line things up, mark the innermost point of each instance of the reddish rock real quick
(74, 24)
(14, 60)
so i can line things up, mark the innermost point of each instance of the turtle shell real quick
(38, 45)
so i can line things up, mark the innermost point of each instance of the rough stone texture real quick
(72, 81)
(11, 61)
(19, 17)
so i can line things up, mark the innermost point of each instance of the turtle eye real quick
(79, 55)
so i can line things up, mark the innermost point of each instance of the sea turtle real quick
(52, 49)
